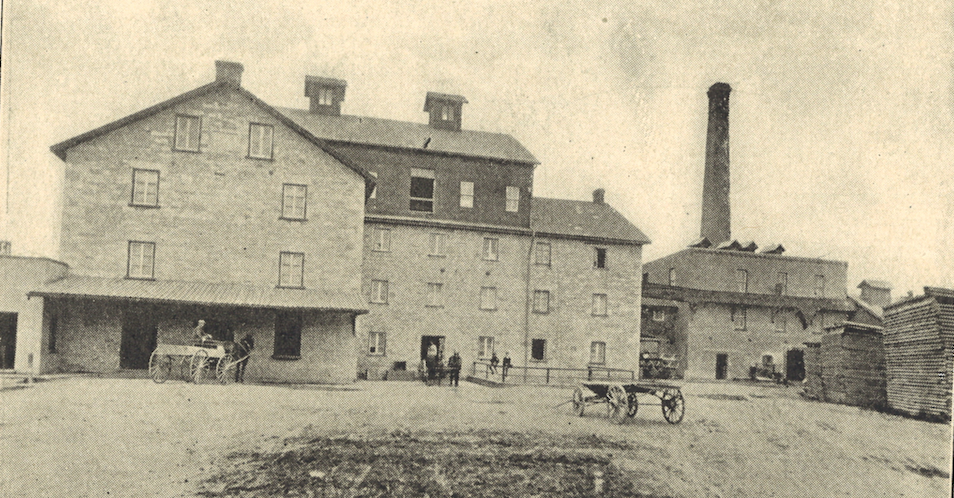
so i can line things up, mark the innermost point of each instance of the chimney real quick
(229, 71)
(5, 247)
(875, 292)
(598, 196)
(445, 110)
(326, 94)
(716, 218)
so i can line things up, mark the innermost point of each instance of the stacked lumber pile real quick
(813, 371)
(853, 367)
(918, 341)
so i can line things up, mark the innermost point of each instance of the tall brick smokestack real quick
(716, 216)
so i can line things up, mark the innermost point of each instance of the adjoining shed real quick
(919, 356)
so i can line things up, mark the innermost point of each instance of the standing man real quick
(506, 366)
(454, 364)
(245, 347)
(431, 361)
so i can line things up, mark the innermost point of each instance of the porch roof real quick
(233, 295)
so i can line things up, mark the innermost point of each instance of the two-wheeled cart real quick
(194, 363)
(622, 400)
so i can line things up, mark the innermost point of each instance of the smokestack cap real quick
(229, 71)
(598, 196)
(719, 89)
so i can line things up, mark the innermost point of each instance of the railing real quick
(548, 375)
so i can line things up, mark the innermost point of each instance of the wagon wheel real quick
(160, 366)
(225, 369)
(633, 405)
(617, 404)
(673, 406)
(579, 401)
(198, 365)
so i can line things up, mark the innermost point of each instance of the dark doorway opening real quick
(437, 340)
(8, 340)
(140, 330)
(722, 366)
(795, 365)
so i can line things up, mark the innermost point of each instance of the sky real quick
(841, 113)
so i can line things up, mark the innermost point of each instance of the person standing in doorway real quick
(431, 361)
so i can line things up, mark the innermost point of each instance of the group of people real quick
(494, 361)
(242, 349)
(433, 366)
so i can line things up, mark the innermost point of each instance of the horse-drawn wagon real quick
(622, 400)
(194, 363)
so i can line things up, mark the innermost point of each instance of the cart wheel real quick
(160, 366)
(579, 401)
(673, 406)
(225, 369)
(616, 403)
(633, 405)
(198, 365)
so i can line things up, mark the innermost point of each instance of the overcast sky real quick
(841, 120)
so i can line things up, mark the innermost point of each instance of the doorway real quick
(426, 341)
(140, 331)
(8, 340)
(795, 365)
(722, 366)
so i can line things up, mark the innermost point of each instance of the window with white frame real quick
(435, 294)
(141, 259)
(542, 254)
(326, 95)
(291, 269)
(819, 286)
(491, 249)
(438, 244)
(485, 346)
(260, 140)
(513, 199)
(741, 281)
(659, 316)
(739, 318)
(447, 112)
(598, 353)
(376, 343)
(381, 239)
(188, 131)
(541, 301)
(466, 194)
(422, 190)
(488, 298)
(294, 198)
(145, 191)
(599, 305)
(672, 276)
(379, 291)
(374, 191)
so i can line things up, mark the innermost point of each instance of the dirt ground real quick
(130, 437)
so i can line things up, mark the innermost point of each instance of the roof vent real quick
(445, 110)
(229, 71)
(730, 245)
(598, 196)
(326, 94)
(702, 243)
(5, 247)
(749, 246)
(773, 249)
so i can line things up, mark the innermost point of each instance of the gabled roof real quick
(875, 311)
(877, 284)
(171, 291)
(414, 136)
(583, 220)
(61, 148)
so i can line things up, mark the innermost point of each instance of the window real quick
(741, 281)
(188, 131)
(485, 346)
(447, 112)
(513, 199)
(819, 286)
(541, 301)
(141, 259)
(600, 260)
(438, 244)
(538, 348)
(488, 298)
(422, 190)
(381, 239)
(598, 353)
(326, 95)
(599, 305)
(379, 291)
(435, 295)
(466, 194)
(145, 191)
(491, 247)
(291, 271)
(659, 316)
(376, 343)
(374, 191)
(672, 276)
(780, 321)
(738, 318)
(781, 284)
(287, 336)
(293, 201)
(542, 254)
(260, 141)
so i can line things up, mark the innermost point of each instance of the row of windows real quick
(422, 193)
(188, 135)
(486, 348)
(488, 298)
(141, 263)
(781, 282)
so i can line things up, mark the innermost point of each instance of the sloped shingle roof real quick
(237, 295)
(587, 220)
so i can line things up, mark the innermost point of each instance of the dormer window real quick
(444, 110)
(326, 95)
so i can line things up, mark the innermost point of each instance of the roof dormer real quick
(326, 94)
(444, 110)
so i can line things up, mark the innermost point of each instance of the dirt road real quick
(130, 437)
